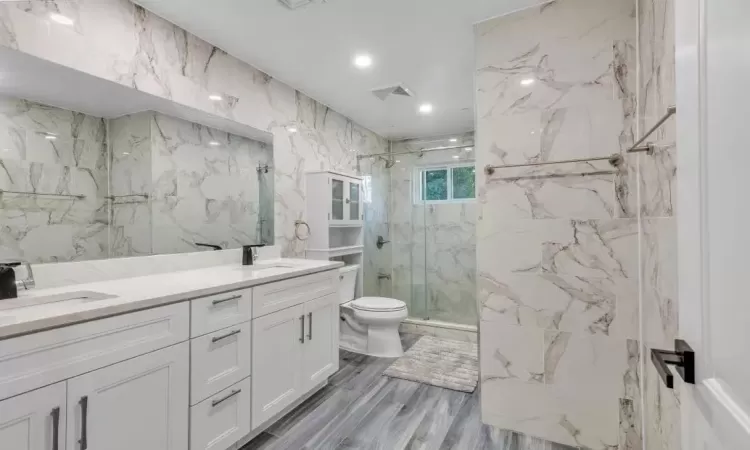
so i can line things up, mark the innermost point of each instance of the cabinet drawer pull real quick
(230, 334)
(215, 403)
(309, 327)
(219, 301)
(55, 428)
(302, 324)
(84, 402)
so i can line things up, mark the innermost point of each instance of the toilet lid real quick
(378, 304)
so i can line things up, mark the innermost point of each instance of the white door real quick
(321, 348)
(141, 403)
(277, 362)
(35, 420)
(713, 119)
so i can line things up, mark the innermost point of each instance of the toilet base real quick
(382, 342)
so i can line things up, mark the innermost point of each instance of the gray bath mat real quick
(439, 362)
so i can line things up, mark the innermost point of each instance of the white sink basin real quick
(81, 296)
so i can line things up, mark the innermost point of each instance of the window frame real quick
(418, 183)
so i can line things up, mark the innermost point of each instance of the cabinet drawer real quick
(272, 297)
(219, 311)
(35, 360)
(221, 420)
(219, 360)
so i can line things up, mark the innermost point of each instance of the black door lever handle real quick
(683, 358)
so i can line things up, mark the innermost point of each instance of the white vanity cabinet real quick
(320, 351)
(294, 350)
(141, 403)
(200, 374)
(34, 420)
(277, 354)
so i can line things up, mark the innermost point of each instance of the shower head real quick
(388, 162)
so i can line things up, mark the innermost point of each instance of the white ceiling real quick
(428, 45)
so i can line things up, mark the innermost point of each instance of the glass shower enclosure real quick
(429, 217)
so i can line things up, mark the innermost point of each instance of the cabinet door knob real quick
(215, 403)
(309, 327)
(224, 300)
(55, 428)
(302, 324)
(224, 336)
(84, 402)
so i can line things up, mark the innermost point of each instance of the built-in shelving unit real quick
(335, 214)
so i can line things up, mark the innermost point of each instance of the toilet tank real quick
(348, 285)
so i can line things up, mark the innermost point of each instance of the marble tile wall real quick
(121, 42)
(130, 174)
(568, 320)
(557, 251)
(377, 200)
(203, 186)
(204, 192)
(657, 179)
(44, 149)
(434, 269)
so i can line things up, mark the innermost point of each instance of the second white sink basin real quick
(25, 302)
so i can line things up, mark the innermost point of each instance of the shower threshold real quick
(441, 324)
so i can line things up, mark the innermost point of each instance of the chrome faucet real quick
(9, 285)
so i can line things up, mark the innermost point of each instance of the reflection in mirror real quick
(203, 186)
(79, 187)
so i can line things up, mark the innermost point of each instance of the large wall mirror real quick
(90, 169)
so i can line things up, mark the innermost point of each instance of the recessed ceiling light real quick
(398, 160)
(215, 97)
(125, 153)
(454, 139)
(59, 18)
(425, 108)
(214, 143)
(291, 129)
(527, 81)
(50, 137)
(363, 61)
(468, 149)
(455, 156)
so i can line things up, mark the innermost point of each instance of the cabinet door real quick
(277, 355)
(321, 348)
(141, 403)
(355, 201)
(35, 420)
(337, 198)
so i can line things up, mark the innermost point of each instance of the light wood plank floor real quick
(362, 409)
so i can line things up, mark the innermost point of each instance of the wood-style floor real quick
(362, 409)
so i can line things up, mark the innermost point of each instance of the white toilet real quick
(369, 325)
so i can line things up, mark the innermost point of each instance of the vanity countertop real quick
(132, 294)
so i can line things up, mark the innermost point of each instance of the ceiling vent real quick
(399, 89)
(294, 4)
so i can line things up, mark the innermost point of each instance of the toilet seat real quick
(378, 304)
